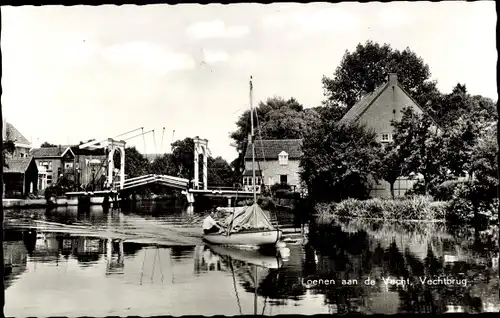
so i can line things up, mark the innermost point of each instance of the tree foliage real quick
(135, 163)
(47, 145)
(8, 149)
(276, 118)
(180, 163)
(420, 145)
(391, 165)
(363, 70)
(164, 165)
(338, 161)
(183, 157)
(219, 172)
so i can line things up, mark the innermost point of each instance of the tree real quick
(47, 145)
(183, 157)
(417, 139)
(164, 165)
(391, 164)
(136, 164)
(7, 150)
(219, 172)
(367, 67)
(276, 118)
(338, 161)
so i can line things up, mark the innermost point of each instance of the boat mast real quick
(255, 291)
(252, 142)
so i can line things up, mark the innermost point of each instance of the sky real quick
(71, 74)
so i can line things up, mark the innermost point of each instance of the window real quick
(49, 179)
(68, 165)
(283, 158)
(386, 137)
(283, 179)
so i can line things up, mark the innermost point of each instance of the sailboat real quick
(250, 225)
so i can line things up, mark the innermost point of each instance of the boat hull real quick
(253, 238)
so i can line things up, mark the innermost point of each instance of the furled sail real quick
(250, 218)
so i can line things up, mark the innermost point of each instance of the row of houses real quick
(277, 161)
(30, 170)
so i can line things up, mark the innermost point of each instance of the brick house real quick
(22, 145)
(55, 161)
(276, 161)
(20, 177)
(376, 110)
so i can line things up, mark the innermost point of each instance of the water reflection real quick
(410, 253)
(124, 278)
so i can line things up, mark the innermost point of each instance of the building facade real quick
(56, 162)
(376, 110)
(276, 161)
(20, 177)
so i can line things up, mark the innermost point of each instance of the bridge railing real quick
(151, 178)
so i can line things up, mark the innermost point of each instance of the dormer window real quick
(386, 137)
(283, 158)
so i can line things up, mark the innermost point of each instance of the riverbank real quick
(417, 208)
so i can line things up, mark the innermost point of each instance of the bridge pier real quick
(229, 202)
(189, 197)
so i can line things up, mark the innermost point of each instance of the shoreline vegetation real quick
(422, 209)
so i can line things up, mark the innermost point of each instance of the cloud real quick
(211, 57)
(148, 57)
(216, 29)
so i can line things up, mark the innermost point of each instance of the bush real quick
(470, 203)
(280, 186)
(444, 192)
(413, 208)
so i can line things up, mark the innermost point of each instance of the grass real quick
(419, 208)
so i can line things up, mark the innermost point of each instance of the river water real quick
(149, 259)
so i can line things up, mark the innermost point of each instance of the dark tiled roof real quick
(17, 165)
(248, 173)
(362, 105)
(48, 152)
(13, 134)
(272, 149)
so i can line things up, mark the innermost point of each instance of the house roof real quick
(248, 173)
(270, 149)
(50, 152)
(11, 133)
(366, 101)
(17, 165)
(363, 104)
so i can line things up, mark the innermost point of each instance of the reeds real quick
(414, 208)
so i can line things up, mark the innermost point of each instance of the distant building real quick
(56, 162)
(376, 110)
(91, 166)
(20, 177)
(276, 161)
(22, 145)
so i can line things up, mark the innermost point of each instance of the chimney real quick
(393, 78)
